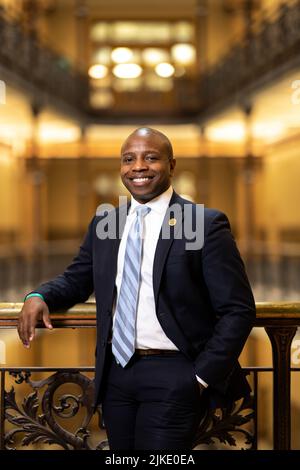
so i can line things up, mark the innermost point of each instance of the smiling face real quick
(147, 164)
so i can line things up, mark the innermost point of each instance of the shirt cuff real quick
(202, 382)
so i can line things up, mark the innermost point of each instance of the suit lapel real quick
(164, 244)
(112, 250)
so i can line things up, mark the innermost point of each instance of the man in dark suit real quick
(172, 318)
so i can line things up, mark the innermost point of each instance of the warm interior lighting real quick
(99, 31)
(5, 161)
(227, 132)
(98, 71)
(130, 84)
(164, 70)
(140, 32)
(155, 83)
(120, 55)
(56, 132)
(102, 56)
(268, 131)
(103, 83)
(183, 31)
(127, 70)
(101, 98)
(139, 55)
(180, 71)
(236, 132)
(14, 133)
(155, 55)
(184, 54)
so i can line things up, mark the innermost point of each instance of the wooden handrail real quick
(84, 315)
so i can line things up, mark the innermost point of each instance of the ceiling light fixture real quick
(98, 71)
(155, 55)
(184, 54)
(127, 70)
(165, 70)
(120, 55)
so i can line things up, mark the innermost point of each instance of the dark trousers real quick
(153, 403)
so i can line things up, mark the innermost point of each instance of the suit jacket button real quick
(103, 343)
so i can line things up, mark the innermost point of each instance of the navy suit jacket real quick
(203, 299)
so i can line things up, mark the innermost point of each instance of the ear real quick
(172, 166)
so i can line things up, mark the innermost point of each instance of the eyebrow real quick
(144, 152)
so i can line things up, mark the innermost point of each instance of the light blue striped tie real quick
(123, 342)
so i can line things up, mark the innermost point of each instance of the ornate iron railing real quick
(261, 55)
(47, 411)
(36, 402)
(27, 58)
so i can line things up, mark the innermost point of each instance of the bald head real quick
(147, 164)
(148, 132)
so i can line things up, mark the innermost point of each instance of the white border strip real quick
(2, 92)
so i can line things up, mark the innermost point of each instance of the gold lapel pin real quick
(172, 222)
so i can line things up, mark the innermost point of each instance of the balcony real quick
(35, 67)
(267, 50)
(53, 406)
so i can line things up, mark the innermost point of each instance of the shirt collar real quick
(158, 204)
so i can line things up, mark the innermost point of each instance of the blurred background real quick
(220, 77)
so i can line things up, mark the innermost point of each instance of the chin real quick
(141, 193)
(143, 197)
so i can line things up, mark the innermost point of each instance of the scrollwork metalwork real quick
(44, 427)
(223, 424)
(38, 420)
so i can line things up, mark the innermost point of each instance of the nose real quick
(139, 164)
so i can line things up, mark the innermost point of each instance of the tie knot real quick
(142, 210)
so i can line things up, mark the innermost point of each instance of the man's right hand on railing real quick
(34, 309)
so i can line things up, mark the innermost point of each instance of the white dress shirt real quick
(149, 333)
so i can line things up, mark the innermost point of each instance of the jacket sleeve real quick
(232, 301)
(75, 285)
